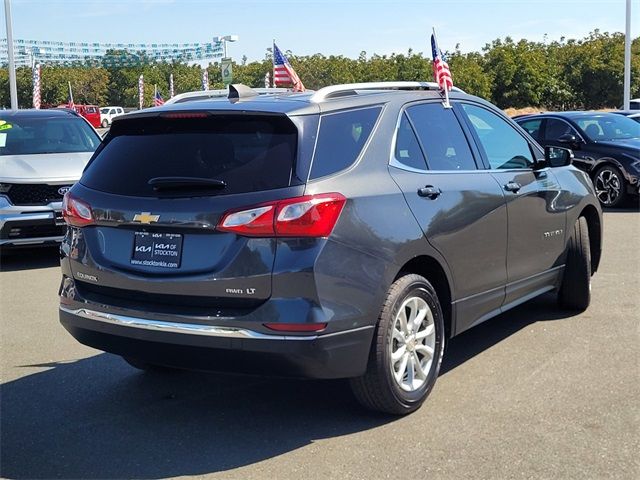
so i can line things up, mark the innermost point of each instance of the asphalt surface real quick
(535, 393)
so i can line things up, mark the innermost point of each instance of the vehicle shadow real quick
(29, 258)
(99, 418)
(478, 339)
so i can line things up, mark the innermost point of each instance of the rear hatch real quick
(158, 187)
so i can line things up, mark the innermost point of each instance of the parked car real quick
(107, 114)
(42, 153)
(605, 145)
(632, 114)
(90, 112)
(634, 104)
(346, 233)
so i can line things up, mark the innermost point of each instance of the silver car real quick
(42, 154)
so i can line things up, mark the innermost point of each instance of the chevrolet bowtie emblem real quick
(145, 217)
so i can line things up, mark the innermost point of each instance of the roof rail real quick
(349, 89)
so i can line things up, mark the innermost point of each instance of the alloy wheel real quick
(608, 186)
(412, 344)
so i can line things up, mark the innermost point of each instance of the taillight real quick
(308, 216)
(76, 212)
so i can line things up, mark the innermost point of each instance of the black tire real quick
(604, 182)
(148, 367)
(575, 290)
(377, 389)
(105, 123)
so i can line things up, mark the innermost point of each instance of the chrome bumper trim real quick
(190, 328)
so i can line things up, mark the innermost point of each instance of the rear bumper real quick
(222, 349)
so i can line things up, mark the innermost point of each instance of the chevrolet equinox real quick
(343, 233)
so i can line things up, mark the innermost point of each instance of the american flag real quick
(157, 99)
(70, 103)
(283, 73)
(441, 71)
(36, 86)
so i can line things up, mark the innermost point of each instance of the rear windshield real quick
(248, 153)
(41, 135)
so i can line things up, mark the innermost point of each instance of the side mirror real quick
(571, 140)
(568, 138)
(558, 156)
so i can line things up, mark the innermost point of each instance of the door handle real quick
(429, 191)
(512, 187)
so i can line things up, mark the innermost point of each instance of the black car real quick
(605, 145)
(346, 233)
(632, 114)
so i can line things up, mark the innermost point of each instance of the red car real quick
(90, 112)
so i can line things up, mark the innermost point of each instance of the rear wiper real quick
(185, 183)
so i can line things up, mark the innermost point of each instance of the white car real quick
(42, 154)
(107, 114)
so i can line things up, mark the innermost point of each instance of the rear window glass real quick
(341, 138)
(443, 140)
(248, 153)
(41, 135)
(408, 151)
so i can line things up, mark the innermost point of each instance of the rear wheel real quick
(148, 367)
(407, 349)
(575, 290)
(610, 186)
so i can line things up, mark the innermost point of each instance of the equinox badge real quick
(145, 217)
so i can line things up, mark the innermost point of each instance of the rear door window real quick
(248, 153)
(442, 138)
(407, 150)
(341, 137)
(533, 128)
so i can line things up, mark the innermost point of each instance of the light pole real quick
(224, 40)
(627, 58)
(12, 64)
(226, 66)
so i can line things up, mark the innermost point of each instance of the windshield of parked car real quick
(608, 127)
(43, 134)
(104, 110)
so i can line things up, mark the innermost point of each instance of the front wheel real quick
(610, 186)
(105, 123)
(407, 349)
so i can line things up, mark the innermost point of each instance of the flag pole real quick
(446, 103)
(71, 94)
(273, 63)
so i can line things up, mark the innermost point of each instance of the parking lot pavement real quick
(534, 393)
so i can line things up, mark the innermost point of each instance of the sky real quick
(305, 27)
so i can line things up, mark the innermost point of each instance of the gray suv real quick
(343, 233)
